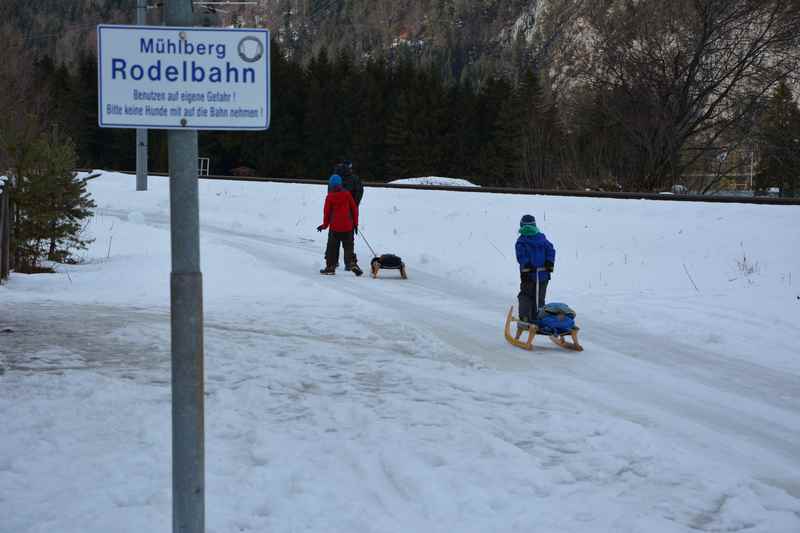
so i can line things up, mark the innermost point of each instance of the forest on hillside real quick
(608, 94)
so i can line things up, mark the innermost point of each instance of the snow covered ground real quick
(343, 404)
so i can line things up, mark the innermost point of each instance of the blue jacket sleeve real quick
(522, 254)
(550, 252)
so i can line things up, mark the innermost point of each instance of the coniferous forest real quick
(392, 120)
(609, 95)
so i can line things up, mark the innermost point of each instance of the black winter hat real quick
(527, 220)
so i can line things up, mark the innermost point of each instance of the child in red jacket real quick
(341, 215)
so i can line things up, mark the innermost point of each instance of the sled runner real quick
(530, 330)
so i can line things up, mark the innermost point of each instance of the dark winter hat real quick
(527, 220)
(343, 168)
(335, 181)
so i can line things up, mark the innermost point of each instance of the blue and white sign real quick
(183, 78)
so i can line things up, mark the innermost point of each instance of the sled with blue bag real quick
(554, 320)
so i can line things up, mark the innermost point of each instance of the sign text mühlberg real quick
(183, 78)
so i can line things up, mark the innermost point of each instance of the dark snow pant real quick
(335, 238)
(527, 298)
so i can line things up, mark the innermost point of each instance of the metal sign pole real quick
(141, 134)
(142, 71)
(186, 284)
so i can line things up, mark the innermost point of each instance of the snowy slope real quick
(350, 404)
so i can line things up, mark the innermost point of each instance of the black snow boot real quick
(355, 269)
(328, 271)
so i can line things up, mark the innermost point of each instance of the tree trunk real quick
(14, 256)
(5, 236)
(52, 251)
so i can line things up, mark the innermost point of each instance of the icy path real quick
(344, 404)
(741, 412)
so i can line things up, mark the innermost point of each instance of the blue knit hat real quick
(335, 181)
(527, 220)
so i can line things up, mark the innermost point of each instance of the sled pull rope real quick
(361, 234)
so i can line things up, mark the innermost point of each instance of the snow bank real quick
(436, 180)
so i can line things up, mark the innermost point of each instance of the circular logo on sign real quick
(250, 49)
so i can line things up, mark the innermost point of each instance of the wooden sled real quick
(532, 330)
(376, 266)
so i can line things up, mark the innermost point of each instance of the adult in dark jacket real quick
(534, 251)
(350, 182)
(340, 214)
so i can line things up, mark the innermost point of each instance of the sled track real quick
(696, 393)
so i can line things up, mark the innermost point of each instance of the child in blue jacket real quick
(533, 251)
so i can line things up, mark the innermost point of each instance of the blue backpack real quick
(556, 319)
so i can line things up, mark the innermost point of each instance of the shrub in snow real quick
(51, 205)
(747, 266)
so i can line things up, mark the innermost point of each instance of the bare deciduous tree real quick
(681, 74)
(19, 99)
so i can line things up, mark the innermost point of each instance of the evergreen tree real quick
(462, 136)
(416, 138)
(779, 164)
(370, 128)
(63, 102)
(347, 86)
(289, 133)
(89, 138)
(158, 151)
(541, 137)
(504, 156)
(422, 112)
(320, 127)
(499, 122)
(401, 159)
(279, 151)
(51, 205)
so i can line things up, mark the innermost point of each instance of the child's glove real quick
(548, 265)
(321, 227)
